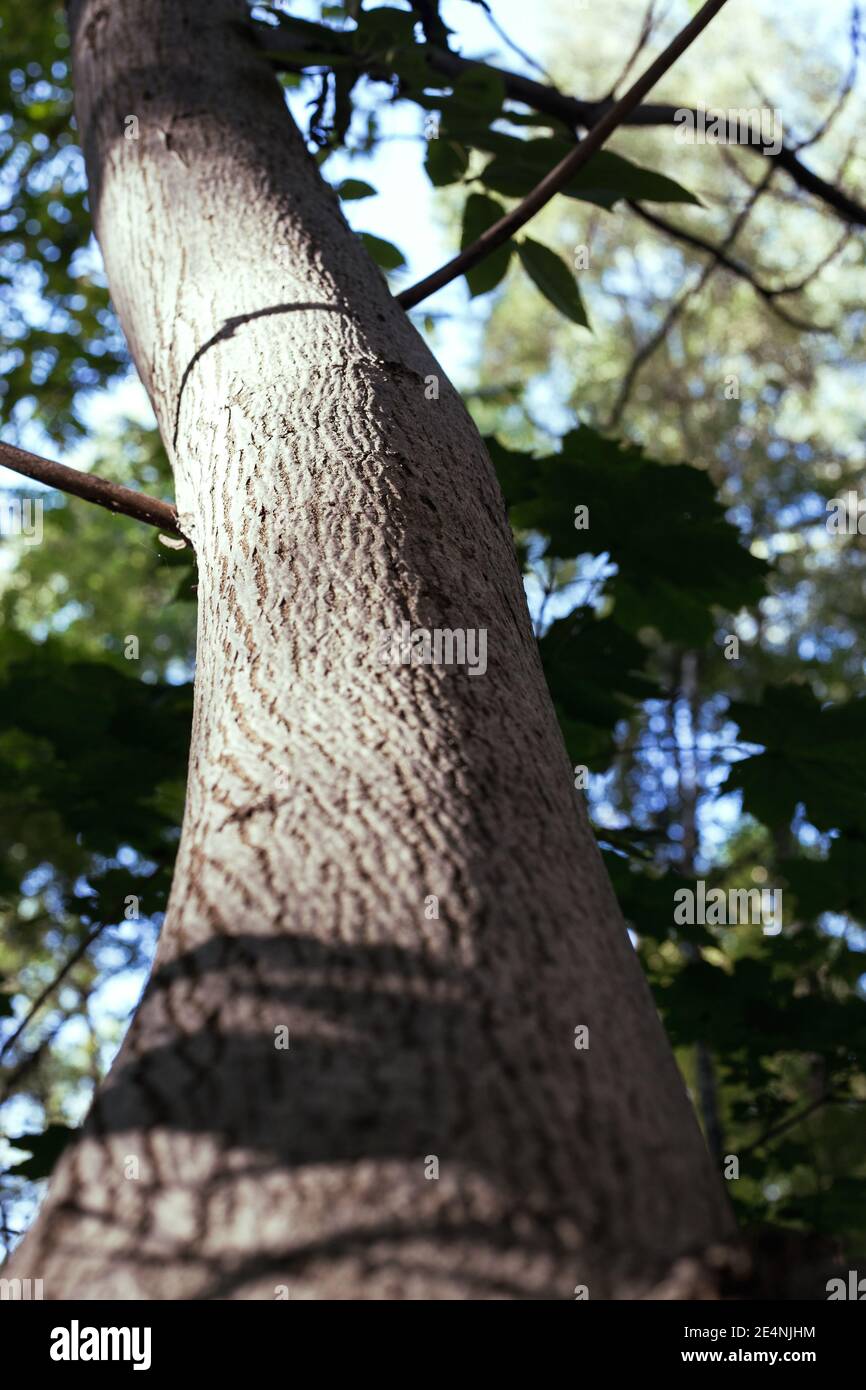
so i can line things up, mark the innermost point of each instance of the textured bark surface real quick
(331, 795)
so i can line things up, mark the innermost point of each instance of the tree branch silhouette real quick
(91, 488)
(540, 96)
(560, 174)
(766, 292)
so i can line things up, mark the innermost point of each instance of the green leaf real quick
(479, 213)
(411, 66)
(677, 555)
(834, 884)
(446, 162)
(594, 674)
(384, 253)
(478, 92)
(518, 165)
(383, 31)
(608, 177)
(86, 737)
(551, 275)
(647, 900)
(45, 1149)
(351, 189)
(831, 1210)
(814, 755)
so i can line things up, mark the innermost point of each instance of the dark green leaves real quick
(608, 177)
(594, 672)
(677, 560)
(350, 189)
(676, 554)
(478, 94)
(64, 337)
(518, 165)
(834, 884)
(384, 253)
(479, 213)
(44, 1150)
(383, 32)
(446, 162)
(85, 738)
(552, 276)
(813, 756)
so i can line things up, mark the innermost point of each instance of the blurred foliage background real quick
(677, 347)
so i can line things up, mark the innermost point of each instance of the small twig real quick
(676, 309)
(728, 263)
(643, 38)
(826, 1099)
(816, 269)
(509, 43)
(54, 984)
(113, 496)
(574, 112)
(844, 93)
(560, 174)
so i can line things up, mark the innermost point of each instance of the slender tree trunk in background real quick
(331, 796)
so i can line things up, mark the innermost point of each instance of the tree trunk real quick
(333, 798)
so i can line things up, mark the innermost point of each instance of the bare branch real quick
(560, 174)
(646, 30)
(845, 90)
(54, 984)
(827, 1098)
(676, 309)
(573, 112)
(91, 488)
(728, 263)
(509, 43)
(816, 270)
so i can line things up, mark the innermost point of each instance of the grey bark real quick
(331, 795)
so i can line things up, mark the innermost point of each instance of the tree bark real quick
(332, 796)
